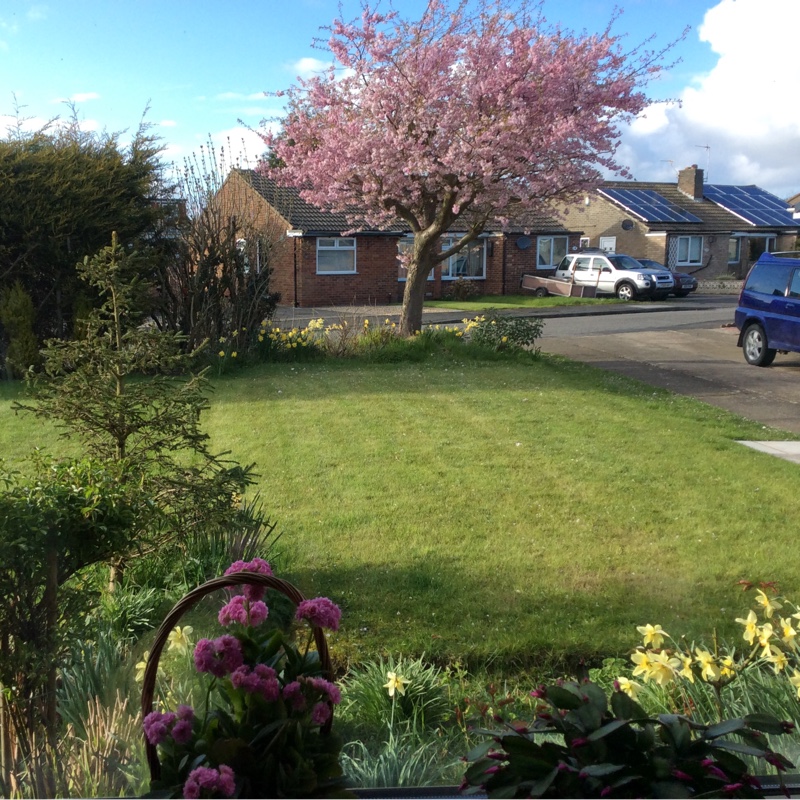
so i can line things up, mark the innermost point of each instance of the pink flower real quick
(227, 781)
(235, 610)
(327, 688)
(220, 657)
(222, 780)
(320, 611)
(182, 731)
(156, 726)
(258, 612)
(293, 694)
(256, 565)
(320, 714)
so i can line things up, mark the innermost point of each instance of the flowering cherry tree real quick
(456, 120)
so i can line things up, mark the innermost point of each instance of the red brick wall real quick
(374, 282)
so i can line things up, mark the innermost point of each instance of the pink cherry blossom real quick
(459, 119)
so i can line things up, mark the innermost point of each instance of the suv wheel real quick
(754, 347)
(626, 291)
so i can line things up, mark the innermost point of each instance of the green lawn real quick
(517, 301)
(506, 513)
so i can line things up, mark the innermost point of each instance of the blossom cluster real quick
(771, 644)
(263, 678)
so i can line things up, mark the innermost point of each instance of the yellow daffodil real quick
(788, 633)
(686, 669)
(178, 638)
(234, 354)
(778, 659)
(653, 635)
(663, 668)
(631, 688)
(260, 337)
(765, 633)
(221, 354)
(395, 682)
(709, 671)
(795, 681)
(727, 667)
(750, 627)
(769, 605)
(643, 664)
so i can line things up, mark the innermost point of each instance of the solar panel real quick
(752, 204)
(649, 205)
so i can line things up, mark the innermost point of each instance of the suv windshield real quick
(625, 262)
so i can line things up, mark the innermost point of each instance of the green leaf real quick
(737, 747)
(626, 707)
(600, 733)
(563, 698)
(539, 787)
(765, 723)
(600, 770)
(725, 727)
(479, 751)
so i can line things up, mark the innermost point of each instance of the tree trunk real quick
(419, 267)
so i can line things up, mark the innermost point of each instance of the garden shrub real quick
(17, 315)
(500, 332)
(462, 289)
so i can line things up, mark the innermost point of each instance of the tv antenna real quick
(670, 162)
(707, 148)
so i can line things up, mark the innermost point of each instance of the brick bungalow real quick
(314, 265)
(708, 230)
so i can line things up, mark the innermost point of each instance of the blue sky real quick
(202, 66)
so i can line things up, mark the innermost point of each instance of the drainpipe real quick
(294, 276)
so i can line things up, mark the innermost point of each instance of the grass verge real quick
(507, 514)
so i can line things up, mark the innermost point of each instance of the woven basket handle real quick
(187, 602)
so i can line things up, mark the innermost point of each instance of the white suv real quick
(615, 274)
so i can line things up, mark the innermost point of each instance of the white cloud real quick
(745, 108)
(241, 96)
(84, 97)
(37, 13)
(168, 123)
(308, 67)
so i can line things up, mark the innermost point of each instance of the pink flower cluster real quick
(212, 780)
(259, 680)
(258, 565)
(245, 612)
(178, 724)
(218, 657)
(320, 611)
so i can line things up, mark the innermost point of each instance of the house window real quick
(336, 256)
(551, 249)
(734, 250)
(468, 262)
(585, 242)
(690, 250)
(245, 252)
(403, 247)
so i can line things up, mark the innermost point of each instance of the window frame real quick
(554, 262)
(402, 272)
(446, 267)
(337, 247)
(688, 261)
(737, 240)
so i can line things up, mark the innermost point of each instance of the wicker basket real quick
(189, 601)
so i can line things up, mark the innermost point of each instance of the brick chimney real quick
(690, 182)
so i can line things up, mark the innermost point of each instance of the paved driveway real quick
(700, 362)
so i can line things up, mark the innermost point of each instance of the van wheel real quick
(540, 292)
(625, 291)
(754, 347)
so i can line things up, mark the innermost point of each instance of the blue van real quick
(768, 315)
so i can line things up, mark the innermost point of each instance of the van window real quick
(794, 286)
(768, 279)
